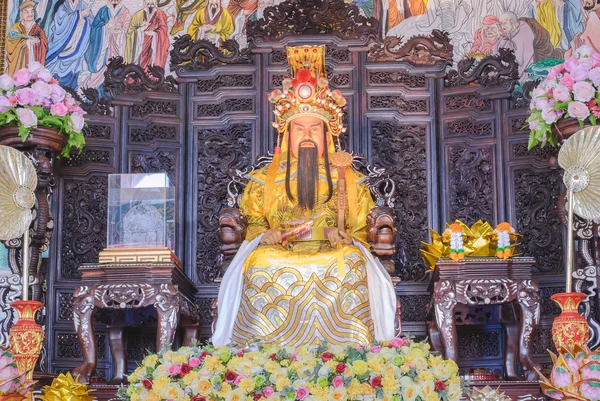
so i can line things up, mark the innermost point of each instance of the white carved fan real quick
(579, 156)
(18, 181)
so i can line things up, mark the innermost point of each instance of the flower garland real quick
(571, 89)
(400, 370)
(504, 249)
(32, 98)
(457, 247)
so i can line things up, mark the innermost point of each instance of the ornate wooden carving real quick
(470, 127)
(84, 222)
(158, 162)
(536, 196)
(200, 55)
(479, 344)
(95, 131)
(519, 99)
(400, 103)
(397, 78)
(121, 78)
(92, 102)
(470, 183)
(89, 156)
(226, 106)
(312, 17)
(494, 70)
(153, 133)
(434, 49)
(68, 346)
(225, 81)
(470, 101)
(222, 149)
(156, 107)
(400, 150)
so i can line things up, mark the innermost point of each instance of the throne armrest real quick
(231, 231)
(381, 235)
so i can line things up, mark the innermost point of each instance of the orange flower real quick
(503, 226)
(455, 227)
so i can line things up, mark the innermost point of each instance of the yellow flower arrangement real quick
(392, 371)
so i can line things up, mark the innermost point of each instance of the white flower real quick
(6, 82)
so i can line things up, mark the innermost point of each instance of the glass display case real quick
(141, 211)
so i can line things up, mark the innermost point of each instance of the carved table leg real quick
(117, 350)
(444, 301)
(167, 308)
(434, 336)
(83, 312)
(511, 329)
(529, 300)
(190, 331)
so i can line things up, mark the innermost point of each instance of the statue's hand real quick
(335, 236)
(271, 237)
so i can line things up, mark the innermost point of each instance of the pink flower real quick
(338, 381)
(534, 124)
(27, 117)
(562, 93)
(45, 75)
(6, 82)
(293, 357)
(587, 62)
(567, 80)
(9, 387)
(59, 109)
(549, 115)
(571, 63)
(268, 391)
(578, 110)
(301, 393)
(596, 58)
(4, 103)
(544, 103)
(13, 100)
(579, 73)
(77, 122)
(583, 91)
(35, 67)
(26, 96)
(194, 362)
(359, 348)
(174, 369)
(22, 77)
(594, 76)
(238, 379)
(58, 93)
(554, 72)
(69, 100)
(398, 342)
(375, 348)
(583, 52)
(42, 88)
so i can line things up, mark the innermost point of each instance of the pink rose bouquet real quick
(11, 382)
(33, 98)
(571, 90)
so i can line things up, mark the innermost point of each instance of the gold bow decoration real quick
(479, 240)
(66, 388)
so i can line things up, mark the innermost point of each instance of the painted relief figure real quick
(591, 35)
(212, 23)
(26, 41)
(545, 14)
(68, 42)
(107, 40)
(147, 37)
(486, 37)
(516, 36)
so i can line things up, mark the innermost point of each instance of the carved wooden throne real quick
(381, 221)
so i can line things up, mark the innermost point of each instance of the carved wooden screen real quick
(454, 147)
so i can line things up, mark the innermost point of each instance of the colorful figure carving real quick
(26, 41)
(486, 37)
(147, 37)
(312, 286)
(213, 23)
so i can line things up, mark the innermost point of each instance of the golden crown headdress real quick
(307, 91)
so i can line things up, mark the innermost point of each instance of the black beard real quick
(590, 8)
(308, 173)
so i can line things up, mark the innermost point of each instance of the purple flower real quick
(583, 91)
(27, 117)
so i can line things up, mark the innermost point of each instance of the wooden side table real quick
(123, 286)
(486, 281)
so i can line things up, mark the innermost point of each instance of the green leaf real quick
(580, 123)
(23, 132)
(593, 119)
(37, 110)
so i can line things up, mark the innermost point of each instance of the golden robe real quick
(223, 26)
(546, 16)
(296, 295)
(18, 53)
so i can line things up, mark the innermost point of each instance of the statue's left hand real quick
(335, 236)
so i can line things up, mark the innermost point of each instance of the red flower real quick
(147, 383)
(340, 367)
(230, 376)
(185, 369)
(198, 398)
(304, 75)
(440, 385)
(326, 356)
(240, 353)
(203, 355)
(273, 357)
(257, 396)
(313, 81)
(295, 82)
(376, 381)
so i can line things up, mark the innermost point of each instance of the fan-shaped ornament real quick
(18, 181)
(579, 156)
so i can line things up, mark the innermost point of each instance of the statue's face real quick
(307, 132)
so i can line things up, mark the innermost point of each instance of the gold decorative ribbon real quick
(66, 388)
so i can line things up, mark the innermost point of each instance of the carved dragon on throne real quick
(381, 221)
